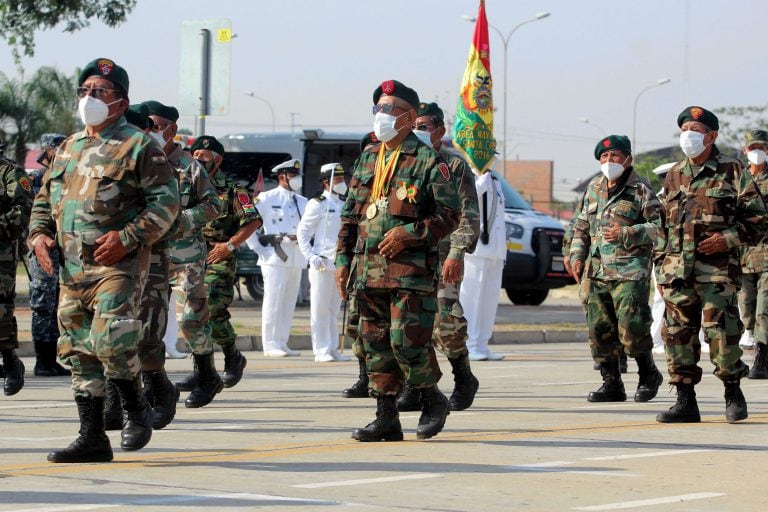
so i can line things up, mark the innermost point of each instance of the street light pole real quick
(658, 83)
(271, 110)
(586, 120)
(505, 41)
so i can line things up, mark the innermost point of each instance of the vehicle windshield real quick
(512, 198)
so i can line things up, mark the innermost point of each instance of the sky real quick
(321, 60)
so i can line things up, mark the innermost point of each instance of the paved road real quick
(280, 441)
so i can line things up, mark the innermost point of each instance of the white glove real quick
(316, 262)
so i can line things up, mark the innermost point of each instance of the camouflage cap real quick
(208, 142)
(51, 140)
(699, 114)
(155, 108)
(620, 142)
(292, 166)
(330, 170)
(398, 90)
(105, 68)
(429, 109)
(755, 137)
(138, 116)
(368, 138)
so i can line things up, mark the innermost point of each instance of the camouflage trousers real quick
(188, 285)
(353, 321)
(100, 332)
(753, 304)
(618, 310)
(44, 299)
(8, 330)
(153, 310)
(220, 280)
(396, 331)
(685, 302)
(450, 332)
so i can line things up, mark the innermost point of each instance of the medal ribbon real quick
(383, 172)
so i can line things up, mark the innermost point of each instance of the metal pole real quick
(271, 110)
(658, 83)
(205, 80)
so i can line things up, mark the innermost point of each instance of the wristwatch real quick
(231, 247)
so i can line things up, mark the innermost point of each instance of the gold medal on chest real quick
(401, 193)
(371, 211)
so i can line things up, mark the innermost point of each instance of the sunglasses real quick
(386, 108)
(96, 92)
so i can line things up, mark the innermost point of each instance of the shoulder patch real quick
(24, 182)
(444, 170)
(159, 159)
(244, 199)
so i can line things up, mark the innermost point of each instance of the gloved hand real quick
(316, 262)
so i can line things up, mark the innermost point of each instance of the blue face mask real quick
(424, 136)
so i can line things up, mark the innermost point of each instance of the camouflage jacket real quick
(15, 201)
(118, 180)
(429, 212)
(717, 196)
(568, 234)
(236, 208)
(633, 207)
(464, 238)
(754, 258)
(199, 205)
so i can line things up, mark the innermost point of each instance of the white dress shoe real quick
(324, 358)
(290, 351)
(493, 356)
(659, 350)
(340, 357)
(477, 356)
(275, 353)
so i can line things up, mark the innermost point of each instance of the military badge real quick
(696, 112)
(297, 165)
(444, 170)
(243, 199)
(371, 211)
(410, 193)
(24, 182)
(206, 143)
(105, 66)
(606, 143)
(402, 192)
(388, 87)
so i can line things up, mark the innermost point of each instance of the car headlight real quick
(514, 230)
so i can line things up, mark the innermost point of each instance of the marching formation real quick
(125, 228)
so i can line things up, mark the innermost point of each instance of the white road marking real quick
(651, 454)
(655, 501)
(228, 411)
(618, 405)
(556, 466)
(362, 481)
(55, 405)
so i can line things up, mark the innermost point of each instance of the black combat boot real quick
(46, 364)
(409, 398)
(386, 426)
(360, 388)
(14, 372)
(190, 381)
(234, 363)
(113, 409)
(92, 445)
(650, 378)
(760, 365)
(623, 361)
(465, 384)
(165, 396)
(685, 410)
(434, 411)
(208, 383)
(612, 389)
(735, 403)
(137, 430)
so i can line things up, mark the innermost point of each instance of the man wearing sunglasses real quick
(109, 196)
(402, 201)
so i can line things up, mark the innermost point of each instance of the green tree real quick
(19, 19)
(45, 103)
(736, 120)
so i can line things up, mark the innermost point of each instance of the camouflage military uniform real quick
(15, 205)
(396, 298)
(117, 181)
(450, 333)
(237, 210)
(199, 205)
(753, 297)
(716, 196)
(618, 273)
(567, 239)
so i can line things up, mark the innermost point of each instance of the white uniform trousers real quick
(325, 304)
(479, 296)
(281, 287)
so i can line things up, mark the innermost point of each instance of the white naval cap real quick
(292, 166)
(663, 168)
(329, 170)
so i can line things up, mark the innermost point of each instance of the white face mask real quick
(611, 170)
(692, 143)
(93, 112)
(424, 136)
(158, 137)
(340, 188)
(756, 156)
(384, 126)
(295, 183)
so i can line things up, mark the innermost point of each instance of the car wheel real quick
(526, 297)
(255, 286)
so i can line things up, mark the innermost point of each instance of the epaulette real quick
(320, 198)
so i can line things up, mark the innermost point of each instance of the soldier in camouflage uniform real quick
(402, 201)
(237, 221)
(15, 205)
(753, 297)
(711, 208)
(615, 232)
(110, 194)
(44, 287)
(450, 333)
